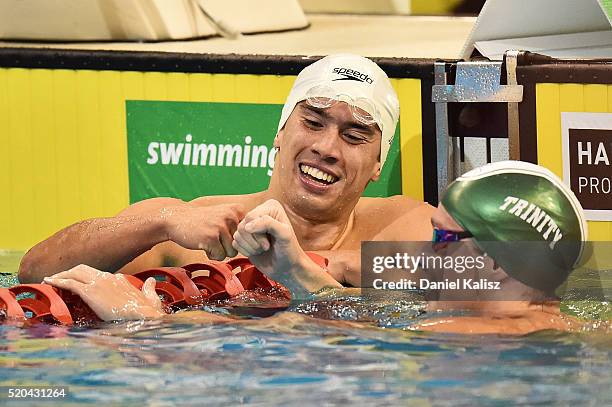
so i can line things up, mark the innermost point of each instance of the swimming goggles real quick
(363, 110)
(441, 236)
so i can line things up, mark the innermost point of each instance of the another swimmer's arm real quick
(111, 297)
(280, 322)
(305, 278)
(344, 266)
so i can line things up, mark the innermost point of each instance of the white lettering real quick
(556, 238)
(424, 284)
(202, 151)
(594, 181)
(507, 201)
(551, 226)
(153, 157)
(518, 208)
(171, 153)
(581, 184)
(604, 182)
(582, 152)
(601, 155)
(594, 185)
(415, 263)
(271, 157)
(260, 153)
(226, 155)
(544, 222)
(377, 264)
(187, 154)
(528, 211)
(536, 217)
(246, 151)
(229, 151)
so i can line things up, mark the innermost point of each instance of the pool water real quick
(189, 363)
(309, 362)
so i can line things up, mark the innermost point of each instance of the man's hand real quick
(267, 238)
(208, 228)
(111, 243)
(110, 296)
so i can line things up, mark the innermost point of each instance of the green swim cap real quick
(529, 206)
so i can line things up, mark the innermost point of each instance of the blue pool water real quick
(307, 362)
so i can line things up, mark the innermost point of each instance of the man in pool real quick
(533, 232)
(333, 137)
(496, 203)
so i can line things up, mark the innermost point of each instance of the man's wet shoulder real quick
(395, 218)
(249, 201)
(396, 205)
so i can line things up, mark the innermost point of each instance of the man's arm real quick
(344, 266)
(109, 243)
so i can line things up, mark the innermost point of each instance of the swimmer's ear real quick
(277, 138)
(376, 173)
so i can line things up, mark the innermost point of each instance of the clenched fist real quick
(267, 238)
(208, 228)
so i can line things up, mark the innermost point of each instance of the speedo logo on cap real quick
(535, 217)
(352, 75)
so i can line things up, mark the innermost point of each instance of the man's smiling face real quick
(326, 158)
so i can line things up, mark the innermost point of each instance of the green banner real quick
(191, 149)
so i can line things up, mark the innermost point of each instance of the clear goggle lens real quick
(323, 97)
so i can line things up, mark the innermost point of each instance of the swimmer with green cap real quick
(532, 227)
(518, 201)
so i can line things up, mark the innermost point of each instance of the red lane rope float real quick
(238, 262)
(319, 260)
(79, 310)
(266, 296)
(174, 286)
(215, 280)
(178, 287)
(249, 276)
(43, 303)
(9, 305)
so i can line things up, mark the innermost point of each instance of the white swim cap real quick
(353, 77)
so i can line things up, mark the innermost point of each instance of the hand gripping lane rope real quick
(178, 288)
